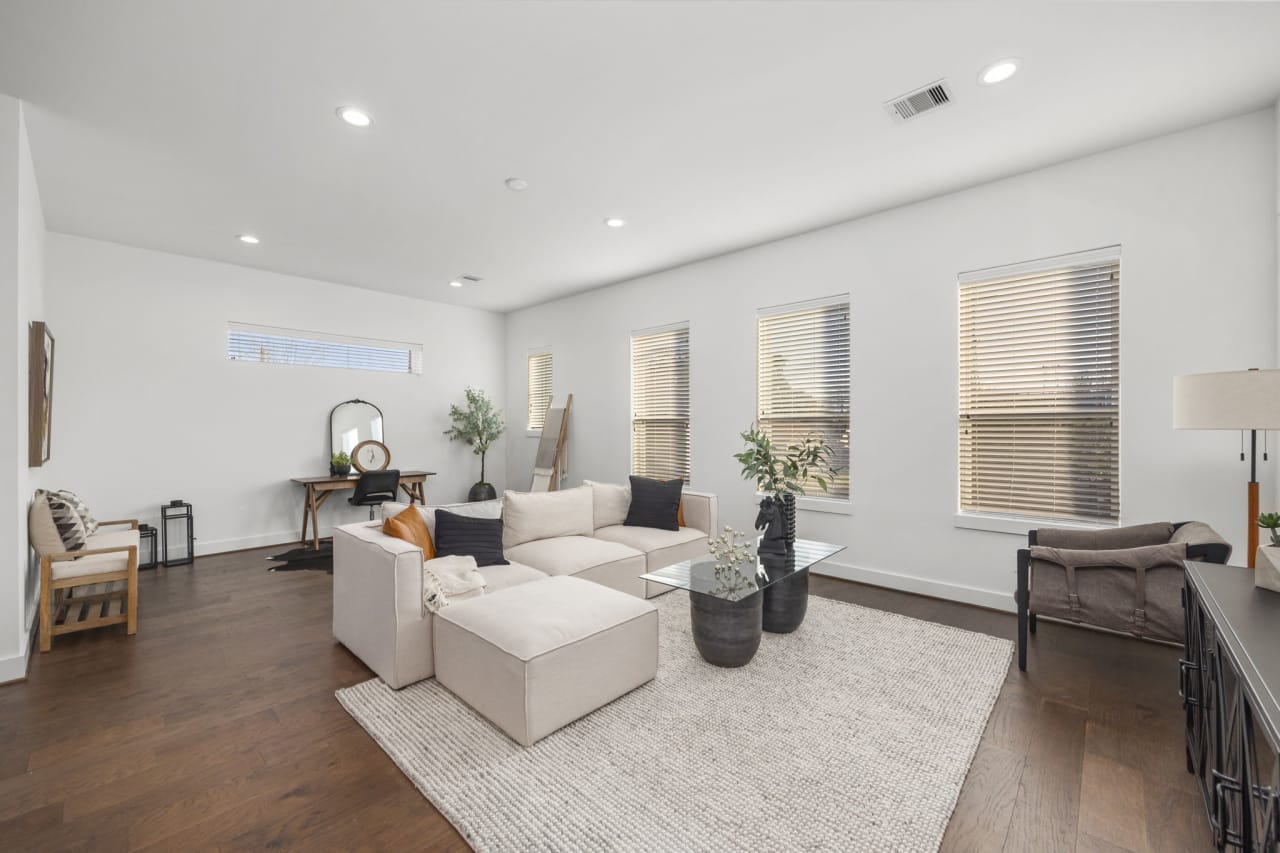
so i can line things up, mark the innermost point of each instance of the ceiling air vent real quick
(923, 100)
(470, 278)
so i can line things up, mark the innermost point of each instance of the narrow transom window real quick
(270, 345)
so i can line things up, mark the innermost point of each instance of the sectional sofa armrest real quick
(701, 511)
(377, 602)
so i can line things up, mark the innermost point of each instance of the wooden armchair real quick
(95, 571)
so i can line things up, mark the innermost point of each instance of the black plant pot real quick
(482, 492)
(339, 470)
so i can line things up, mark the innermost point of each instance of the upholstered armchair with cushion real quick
(1125, 579)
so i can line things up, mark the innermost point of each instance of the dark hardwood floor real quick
(216, 727)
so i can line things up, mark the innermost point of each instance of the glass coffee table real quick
(730, 607)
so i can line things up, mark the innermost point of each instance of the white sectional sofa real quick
(377, 579)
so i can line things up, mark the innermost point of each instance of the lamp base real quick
(1253, 523)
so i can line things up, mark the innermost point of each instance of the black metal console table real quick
(1229, 683)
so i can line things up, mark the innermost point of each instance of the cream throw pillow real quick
(529, 516)
(609, 503)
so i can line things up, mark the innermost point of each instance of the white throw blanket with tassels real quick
(447, 579)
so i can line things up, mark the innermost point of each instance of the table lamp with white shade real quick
(1235, 400)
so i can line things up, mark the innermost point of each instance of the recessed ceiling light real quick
(998, 72)
(615, 222)
(248, 238)
(455, 283)
(517, 184)
(354, 117)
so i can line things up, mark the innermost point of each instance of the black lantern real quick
(178, 512)
(148, 553)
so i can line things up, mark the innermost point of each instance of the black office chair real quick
(375, 488)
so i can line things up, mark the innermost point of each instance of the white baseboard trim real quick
(990, 598)
(15, 668)
(206, 547)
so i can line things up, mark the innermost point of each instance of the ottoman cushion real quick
(535, 657)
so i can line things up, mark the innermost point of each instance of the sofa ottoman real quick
(535, 657)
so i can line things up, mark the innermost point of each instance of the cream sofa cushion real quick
(538, 656)
(477, 509)
(661, 547)
(610, 503)
(117, 561)
(608, 563)
(527, 516)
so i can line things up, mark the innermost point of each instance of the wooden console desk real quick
(318, 490)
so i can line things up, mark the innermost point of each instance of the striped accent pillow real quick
(81, 508)
(67, 520)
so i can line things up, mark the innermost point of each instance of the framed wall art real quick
(41, 395)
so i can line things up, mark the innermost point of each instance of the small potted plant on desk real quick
(1267, 573)
(339, 464)
(780, 473)
(479, 426)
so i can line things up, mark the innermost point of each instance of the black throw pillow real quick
(462, 535)
(654, 503)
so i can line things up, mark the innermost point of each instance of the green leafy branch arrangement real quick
(778, 469)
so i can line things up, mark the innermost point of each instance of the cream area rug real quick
(854, 733)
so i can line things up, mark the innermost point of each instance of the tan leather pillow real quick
(410, 526)
(680, 514)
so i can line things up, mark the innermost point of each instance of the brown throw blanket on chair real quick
(1112, 592)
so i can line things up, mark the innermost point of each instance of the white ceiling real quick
(708, 126)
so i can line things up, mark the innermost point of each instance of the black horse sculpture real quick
(769, 519)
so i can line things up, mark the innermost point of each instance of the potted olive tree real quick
(479, 426)
(781, 471)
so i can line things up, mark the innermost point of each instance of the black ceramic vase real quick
(482, 492)
(339, 470)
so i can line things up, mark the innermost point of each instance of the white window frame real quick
(631, 365)
(1017, 523)
(311, 343)
(816, 500)
(529, 428)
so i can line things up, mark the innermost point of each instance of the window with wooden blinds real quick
(660, 403)
(539, 390)
(802, 380)
(1040, 389)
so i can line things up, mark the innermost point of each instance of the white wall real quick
(1194, 214)
(148, 408)
(21, 257)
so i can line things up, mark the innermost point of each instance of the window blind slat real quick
(1039, 395)
(539, 377)
(660, 404)
(802, 381)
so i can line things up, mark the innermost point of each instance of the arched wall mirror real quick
(352, 422)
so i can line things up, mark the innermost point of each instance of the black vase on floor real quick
(482, 492)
